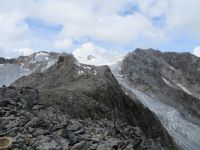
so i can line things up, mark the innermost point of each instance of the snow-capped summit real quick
(99, 60)
(41, 56)
(91, 54)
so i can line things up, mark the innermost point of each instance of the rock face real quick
(172, 77)
(169, 84)
(80, 92)
(13, 69)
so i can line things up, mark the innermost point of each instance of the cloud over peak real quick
(64, 24)
(92, 54)
(196, 51)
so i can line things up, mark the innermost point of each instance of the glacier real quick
(185, 133)
(11, 72)
(39, 61)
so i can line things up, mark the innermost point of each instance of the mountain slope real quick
(168, 84)
(84, 91)
(171, 74)
(13, 69)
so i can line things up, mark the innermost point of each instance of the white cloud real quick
(184, 15)
(12, 23)
(13, 31)
(24, 51)
(196, 51)
(153, 8)
(88, 53)
(12, 28)
(63, 43)
(98, 20)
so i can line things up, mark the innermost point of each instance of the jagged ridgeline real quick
(77, 106)
(167, 83)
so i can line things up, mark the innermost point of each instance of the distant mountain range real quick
(155, 95)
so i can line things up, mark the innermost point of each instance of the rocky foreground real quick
(36, 126)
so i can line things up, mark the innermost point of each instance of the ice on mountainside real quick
(185, 133)
(167, 82)
(25, 65)
(184, 88)
(49, 64)
(42, 56)
(10, 72)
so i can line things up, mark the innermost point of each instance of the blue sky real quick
(42, 29)
(118, 26)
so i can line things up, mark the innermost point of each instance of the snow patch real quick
(80, 72)
(184, 88)
(49, 64)
(172, 68)
(167, 82)
(87, 67)
(196, 51)
(41, 56)
(23, 67)
(32, 61)
(95, 72)
(47, 58)
(78, 63)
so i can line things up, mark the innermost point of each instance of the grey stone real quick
(79, 146)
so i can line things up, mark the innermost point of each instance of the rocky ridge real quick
(83, 91)
(172, 77)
